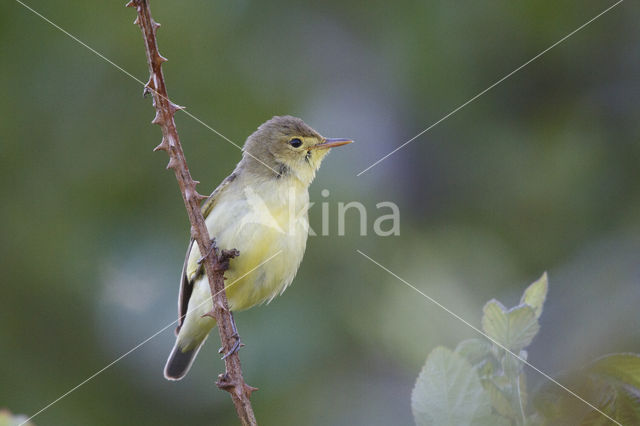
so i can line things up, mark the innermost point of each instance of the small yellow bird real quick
(261, 210)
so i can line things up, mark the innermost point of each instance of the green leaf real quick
(499, 401)
(622, 405)
(514, 329)
(610, 383)
(501, 380)
(536, 294)
(627, 407)
(511, 365)
(618, 377)
(474, 350)
(448, 392)
(624, 368)
(7, 419)
(486, 368)
(558, 407)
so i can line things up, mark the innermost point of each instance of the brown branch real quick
(215, 261)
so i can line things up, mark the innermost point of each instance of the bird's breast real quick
(268, 224)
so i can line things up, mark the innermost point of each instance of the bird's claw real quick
(211, 248)
(236, 346)
(225, 257)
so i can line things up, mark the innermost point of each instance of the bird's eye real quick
(296, 143)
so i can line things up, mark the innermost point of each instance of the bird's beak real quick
(331, 143)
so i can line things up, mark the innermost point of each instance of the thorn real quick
(224, 383)
(155, 24)
(190, 193)
(158, 59)
(210, 315)
(173, 163)
(150, 86)
(158, 120)
(221, 306)
(174, 107)
(132, 3)
(201, 197)
(136, 21)
(162, 146)
(249, 390)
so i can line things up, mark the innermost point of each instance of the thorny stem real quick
(214, 262)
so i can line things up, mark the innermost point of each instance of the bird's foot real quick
(225, 257)
(238, 342)
(235, 348)
(211, 249)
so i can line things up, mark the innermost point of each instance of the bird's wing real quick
(186, 282)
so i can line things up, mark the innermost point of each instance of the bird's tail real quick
(180, 362)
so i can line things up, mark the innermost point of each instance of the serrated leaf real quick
(536, 294)
(620, 404)
(514, 329)
(628, 407)
(474, 350)
(558, 407)
(486, 368)
(499, 401)
(448, 392)
(624, 367)
(609, 383)
(616, 379)
(494, 319)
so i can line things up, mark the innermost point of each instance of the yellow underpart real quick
(265, 219)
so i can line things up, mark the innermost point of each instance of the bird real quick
(260, 209)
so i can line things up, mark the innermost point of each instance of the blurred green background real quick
(541, 173)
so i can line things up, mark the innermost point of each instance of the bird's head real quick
(286, 147)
